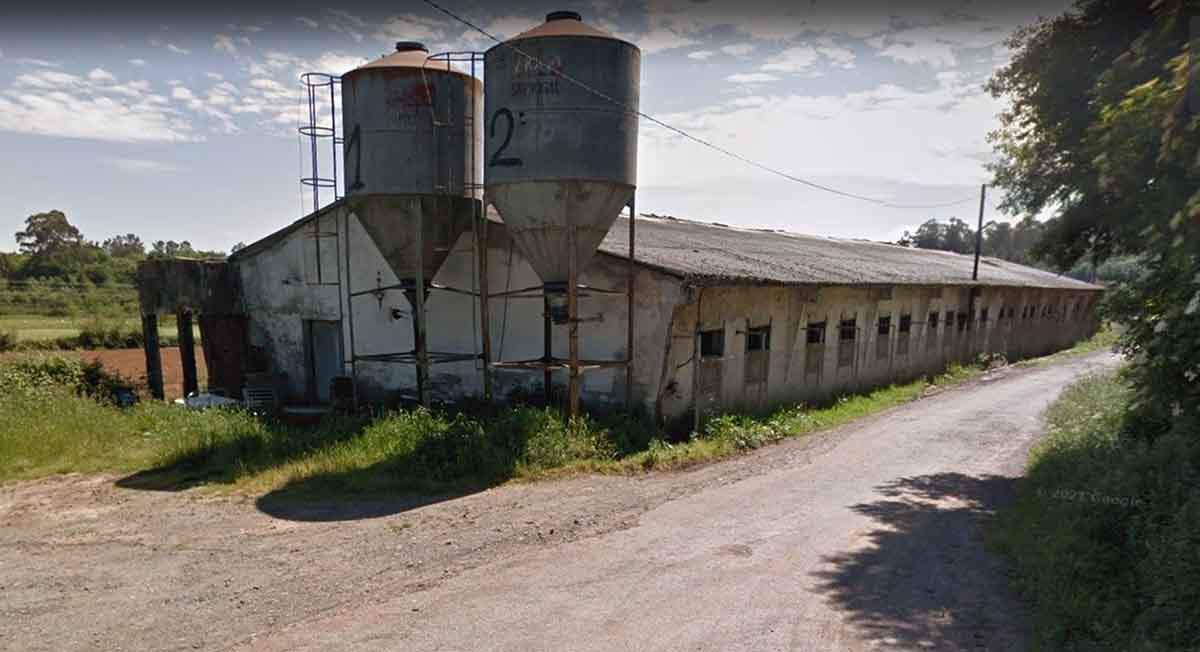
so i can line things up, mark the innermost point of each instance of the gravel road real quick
(867, 537)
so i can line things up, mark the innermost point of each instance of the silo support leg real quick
(573, 319)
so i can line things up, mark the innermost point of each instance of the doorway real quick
(324, 343)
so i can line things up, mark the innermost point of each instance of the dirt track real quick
(865, 537)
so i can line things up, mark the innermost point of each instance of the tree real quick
(172, 249)
(125, 246)
(47, 234)
(1102, 134)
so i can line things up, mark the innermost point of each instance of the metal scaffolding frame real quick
(574, 364)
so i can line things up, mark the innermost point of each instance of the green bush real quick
(8, 341)
(1106, 529)
(99, 334)
(49, 375)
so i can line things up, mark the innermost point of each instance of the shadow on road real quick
(924, 578)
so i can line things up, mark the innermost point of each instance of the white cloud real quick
(701, 55)
(224, 43)
(307, 22)
(40, 63)
(182, 93)
(214, 76)
(138, 62)
(662, 39)
(738, 49)
(101, 75)
(140, 165)
(171, 47)
(837, 55)
(336, 63)
(797, 59)
(53, 103)
(751, 78)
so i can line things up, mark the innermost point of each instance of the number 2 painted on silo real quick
(497, 160)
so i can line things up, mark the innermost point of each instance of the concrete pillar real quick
(154, 374)
(187, 352)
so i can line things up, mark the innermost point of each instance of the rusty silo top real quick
(564, 23)
(408, 54)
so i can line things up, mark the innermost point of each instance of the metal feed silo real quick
(561, 154)
(409, 156)
(412, 151)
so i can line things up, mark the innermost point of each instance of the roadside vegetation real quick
(61, 291)
(1102, 134)
(57, 416)
(1105, 533)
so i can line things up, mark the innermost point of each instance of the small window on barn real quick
(847, 346)
(816, 333)
(883, 342)
(712, 343)
(933, 320)
(847, 330)
(949, 319)
(758, 339)
(962, 321)
(905, 323)
(983, 315)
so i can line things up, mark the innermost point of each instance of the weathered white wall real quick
(280, 291)
(278, 300)
(789, 311)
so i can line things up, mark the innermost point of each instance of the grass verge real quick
(50, 423)
(1105, 533)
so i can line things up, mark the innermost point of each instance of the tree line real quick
(1008, 241)
(51, 248)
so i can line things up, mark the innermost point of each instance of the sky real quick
(180, 122)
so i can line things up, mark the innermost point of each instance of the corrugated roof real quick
(708, 253)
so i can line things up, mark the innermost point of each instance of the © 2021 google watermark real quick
(1091, 497)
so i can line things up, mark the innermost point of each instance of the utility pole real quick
(979, 232)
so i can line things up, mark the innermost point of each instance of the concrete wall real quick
(281, 292)
(800, 371)
(296, 279)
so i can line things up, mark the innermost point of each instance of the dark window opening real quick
(847, 333)
(962, 321)
(983, 315)
(712, 343)
(905, 323)
(758, 339)
(933, 321)
(883, 341)
(816, 333)
(847, 330)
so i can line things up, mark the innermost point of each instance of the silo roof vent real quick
(563, 15)
(410, 46)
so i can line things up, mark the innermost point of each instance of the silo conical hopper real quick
(559, 156)
(409, 153)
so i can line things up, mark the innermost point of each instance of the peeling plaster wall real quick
(279, 292)
(278, 300)
(1063, 317)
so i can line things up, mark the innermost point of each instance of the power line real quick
(696, 139)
